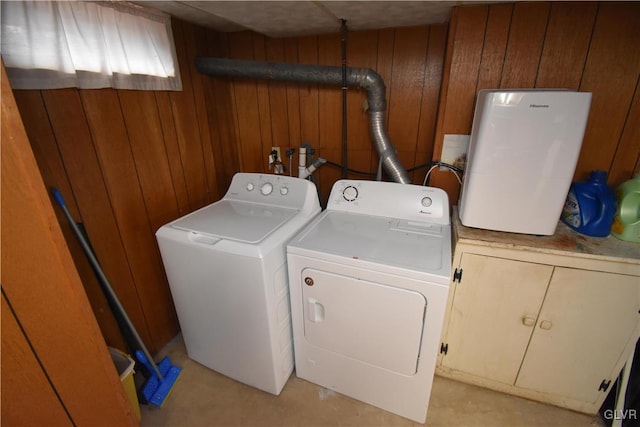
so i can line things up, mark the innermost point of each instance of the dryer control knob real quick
(426, 202)
(284, 191)
(266, 188)
(250, 186)
(350, 193)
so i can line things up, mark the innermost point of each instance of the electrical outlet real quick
(278, 154)
(454, 150)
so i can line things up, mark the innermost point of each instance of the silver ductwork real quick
(364, 78)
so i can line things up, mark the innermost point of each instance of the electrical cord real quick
(353, 171)
(452, 168)
(438, 163)
(431, 165)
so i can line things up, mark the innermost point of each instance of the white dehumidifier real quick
(522, 155)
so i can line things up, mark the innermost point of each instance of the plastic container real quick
(124, 364)
(626, 225)
(590, 206)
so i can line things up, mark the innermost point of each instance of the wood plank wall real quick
(128, 162)
(586, 46)
(56, 369)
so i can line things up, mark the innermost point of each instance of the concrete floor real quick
(204, 398)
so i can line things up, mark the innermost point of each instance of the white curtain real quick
(89, 45)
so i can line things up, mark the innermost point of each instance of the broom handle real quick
(106, 286)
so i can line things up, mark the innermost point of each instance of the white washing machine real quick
(369, 279)
(226, 265)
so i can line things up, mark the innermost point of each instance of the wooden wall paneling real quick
(362, 52)
(309, 96)
(293, 102)
(263, 91)
(45, 292)
(192, 34)
(185, 117)
(246, 108)
(144, 130)
(409, 59)
(495, 45)
(329, 145)
(74, 142)
(444, 90)
(52, 169)
(611, 73)
(526, 36)
(33, 111)
(172, 150)
(430, 97)
(466, 45)
(462, 63)
(221, 116)
(43, 144)
(24, 382)
(626, 162)
(566, 44)
(122, 180)
(275, 102)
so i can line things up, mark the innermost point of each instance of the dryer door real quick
(371, 322)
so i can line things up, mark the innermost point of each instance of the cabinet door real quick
(494, 311)
(586, 320)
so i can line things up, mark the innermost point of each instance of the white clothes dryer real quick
(227, 272)
(369, 280)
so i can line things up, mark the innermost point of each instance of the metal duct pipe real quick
(364, 78)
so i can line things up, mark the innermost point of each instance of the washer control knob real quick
(266, 189)
(350, 193)
(426, 202)
(250, 186)
(284, 191)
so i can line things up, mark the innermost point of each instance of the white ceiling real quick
(299, 18)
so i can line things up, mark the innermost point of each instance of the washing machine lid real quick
(418, 246)
(236, 220)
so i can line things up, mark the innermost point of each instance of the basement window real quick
(89, 45)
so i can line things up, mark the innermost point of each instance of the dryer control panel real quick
(389, 199)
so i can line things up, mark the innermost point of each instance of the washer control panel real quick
(277, 190)
(390, 199)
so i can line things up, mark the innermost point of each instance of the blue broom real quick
(162, 377)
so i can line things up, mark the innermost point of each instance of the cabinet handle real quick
(528, 320)
(546, 325)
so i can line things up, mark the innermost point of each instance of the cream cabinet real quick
(550, 318)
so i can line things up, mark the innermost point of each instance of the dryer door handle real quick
(315, 310)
